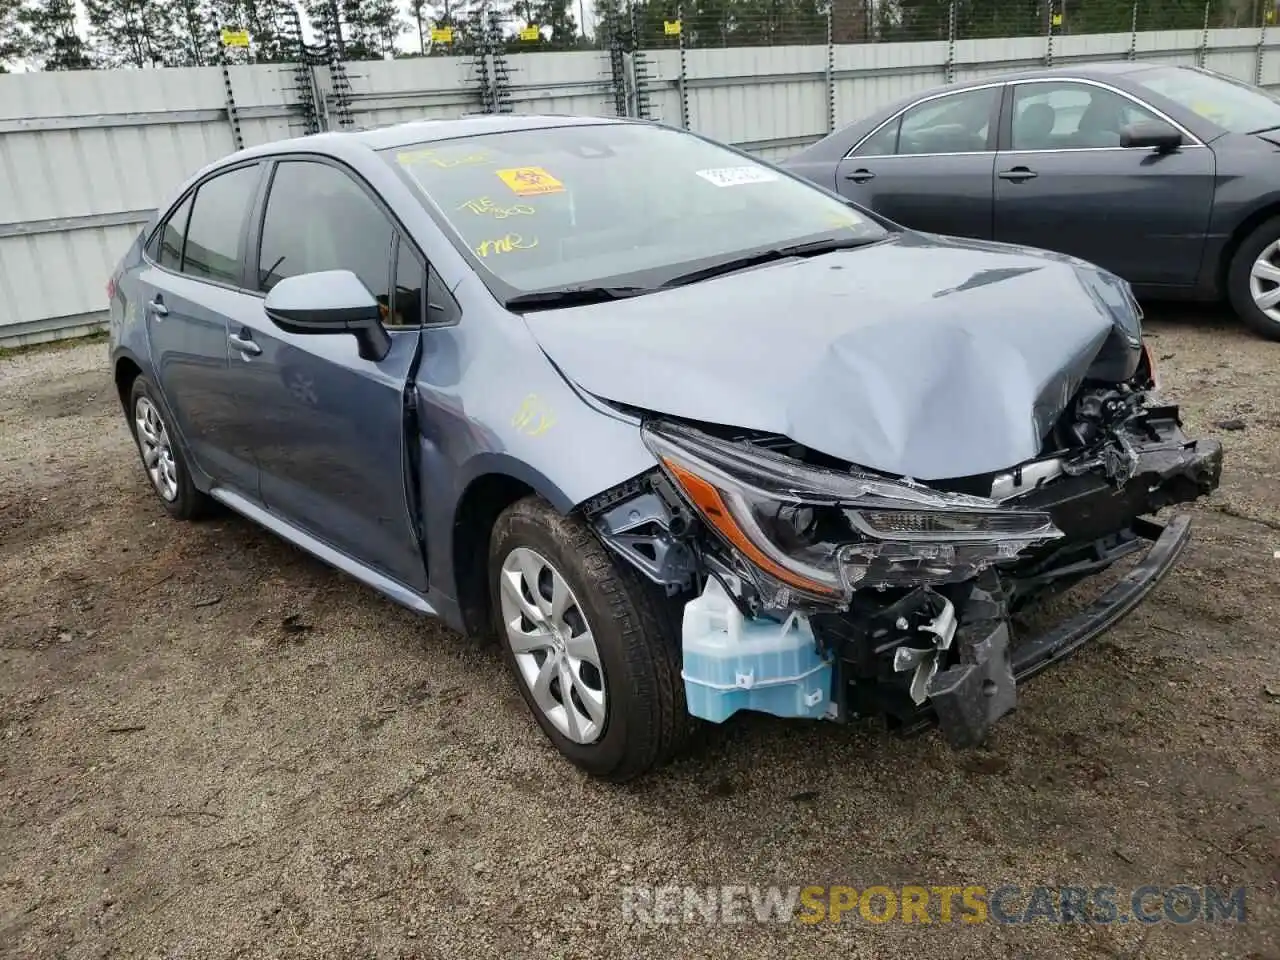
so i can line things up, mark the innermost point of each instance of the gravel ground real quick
(213, 746)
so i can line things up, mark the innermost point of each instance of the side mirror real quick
(1152, 134)
(332, 301)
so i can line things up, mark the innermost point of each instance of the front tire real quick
(162, 458)
(1253, 280)
(594, 648)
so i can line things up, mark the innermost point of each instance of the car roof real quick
(1085, 71)
(424, 131)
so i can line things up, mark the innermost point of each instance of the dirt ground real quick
(212, 745)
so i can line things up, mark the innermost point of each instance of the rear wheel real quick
(162, 458)
(593, 647)
(1253, 280)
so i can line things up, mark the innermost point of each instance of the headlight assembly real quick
(824, 533)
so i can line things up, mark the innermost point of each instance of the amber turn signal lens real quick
(711, 505)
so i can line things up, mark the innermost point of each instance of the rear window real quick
(1230, 104)
(583, 204)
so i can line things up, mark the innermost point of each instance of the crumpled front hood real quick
(925, 357)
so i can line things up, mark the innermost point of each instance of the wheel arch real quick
(1267, 210)
(125, 370)
(483, 499)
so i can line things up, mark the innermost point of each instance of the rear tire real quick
(162, 458)
(552, 584)
(1253, 280)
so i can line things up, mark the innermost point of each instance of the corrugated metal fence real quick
(86, 156)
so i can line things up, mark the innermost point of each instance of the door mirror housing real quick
(331, 301)
(1151, 134)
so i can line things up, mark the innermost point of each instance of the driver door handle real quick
(157, 308)
(861, 175)
(1017, 174)
(246, 347)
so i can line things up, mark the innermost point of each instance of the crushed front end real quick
(818, 588)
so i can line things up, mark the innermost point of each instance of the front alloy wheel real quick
(595, 647)
(552, 645)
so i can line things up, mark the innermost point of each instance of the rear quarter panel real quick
(126, 324)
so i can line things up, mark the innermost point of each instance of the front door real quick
(930, 168)
(1064, 183)
(327, 426)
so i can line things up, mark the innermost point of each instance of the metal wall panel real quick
(84, 159)
(85, 156)
(762, 95)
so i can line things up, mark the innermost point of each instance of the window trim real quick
(1004, 129)
(192, 192)
(992, 142)
(1190, 140)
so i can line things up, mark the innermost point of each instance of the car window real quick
(1231, 104)
(318, 218)
(882, 143)
(442, 308)
(406, 299)
(1071, 116)
(632, 203)
(956, 123)
(212, 249)
(167, 243)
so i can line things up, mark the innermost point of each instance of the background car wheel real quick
(595, 648)
(1253, 280)
(162, 458)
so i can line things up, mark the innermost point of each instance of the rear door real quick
(1064, 183)
(930, 167)
(327, 426)
(192, 283)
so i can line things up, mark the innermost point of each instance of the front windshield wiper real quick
(572, 297)
(810, 248)
(1254, 133)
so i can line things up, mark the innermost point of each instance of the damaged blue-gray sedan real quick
(689, 434)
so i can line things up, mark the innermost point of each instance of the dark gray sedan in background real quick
(1168, 176)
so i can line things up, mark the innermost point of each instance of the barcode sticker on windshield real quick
(736, 176)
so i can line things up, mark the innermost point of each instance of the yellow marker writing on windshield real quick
(507, 244)
(484, 206)
(444, 162)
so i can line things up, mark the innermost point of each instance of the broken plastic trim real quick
(824, 533)
(955, 700)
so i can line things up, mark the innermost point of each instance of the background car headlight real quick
(824, 533)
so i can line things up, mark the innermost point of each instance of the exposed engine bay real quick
(867, 595)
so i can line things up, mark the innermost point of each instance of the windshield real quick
(1230, 104)
(619, 203)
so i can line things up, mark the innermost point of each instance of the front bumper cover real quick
(968, 698)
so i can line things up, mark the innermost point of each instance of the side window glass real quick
(318, 218)
(442, 308)
(406, 299)
(166, 245)
(212, 250)
(882, 143)
(956, 123)
(1070, 116)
